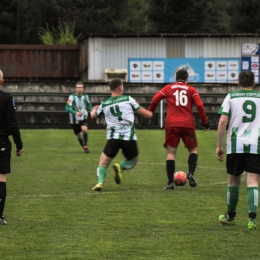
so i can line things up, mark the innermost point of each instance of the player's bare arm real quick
(144, 112)
(221, 132)
(93, 112)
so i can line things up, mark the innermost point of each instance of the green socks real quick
(85, 138)
(232, 200)
(83, 141)
(101, 173)
(80, 142)
(127, 164)
(252, 202)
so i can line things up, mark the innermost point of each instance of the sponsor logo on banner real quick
(199, 69)
(254, 66)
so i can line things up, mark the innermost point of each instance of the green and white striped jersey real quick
(78, 104)
(119, 116)
(243, 109)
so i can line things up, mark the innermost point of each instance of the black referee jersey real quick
(8, 120)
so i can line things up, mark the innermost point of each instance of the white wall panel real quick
(94, 49)
(226, 47)
(175, 47)
(194, 47)
(113, 53)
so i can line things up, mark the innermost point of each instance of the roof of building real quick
(177, 35)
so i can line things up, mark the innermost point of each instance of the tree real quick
(132, 19)
(217, 20)
(7, 21)
(63, 35)
(190, 16)
(245, 16)
(36, 14)
(20, 20)
(174, 16)
(92, 16)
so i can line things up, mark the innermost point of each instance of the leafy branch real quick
(63, 35)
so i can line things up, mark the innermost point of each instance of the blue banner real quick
(250, 59)
(201, 70)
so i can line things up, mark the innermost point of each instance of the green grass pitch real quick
(52, 212)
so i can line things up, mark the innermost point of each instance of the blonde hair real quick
(1, 74)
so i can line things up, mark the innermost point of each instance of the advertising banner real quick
(201, 70)
(250, 59)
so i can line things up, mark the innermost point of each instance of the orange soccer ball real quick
(180, 178)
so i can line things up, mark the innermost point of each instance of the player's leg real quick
(2, 198)
(84, 133)
(110, 151)
(172, 140)
(80, 139)
(5, 154)
(192, 164)
(130, 151)
(235, 168)
(127, 164)
(232, 199)
(193, 159)
(252, 168)
(104, 162)
(170, 166)
(252, 198)
(189, 139)
(77, 131)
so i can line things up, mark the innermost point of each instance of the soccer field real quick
(52, 212)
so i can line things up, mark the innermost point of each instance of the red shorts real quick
(174, 134)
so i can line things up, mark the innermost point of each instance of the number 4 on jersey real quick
(115, 111)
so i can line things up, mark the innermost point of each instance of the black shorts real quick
(77, 127)
(129, 148)
(5, 155)
(237, 163)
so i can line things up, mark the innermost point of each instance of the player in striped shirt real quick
(242, 110)
(119, 112)
(78, 106)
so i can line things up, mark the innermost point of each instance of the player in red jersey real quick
(180, 124)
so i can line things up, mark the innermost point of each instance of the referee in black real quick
(8, 126)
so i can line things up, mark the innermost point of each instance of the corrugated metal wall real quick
(194, 48)
(113, 53)
(175, 48)
(89, 61)
(225, 47)
(95, 71)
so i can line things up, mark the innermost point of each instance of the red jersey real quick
(180, 98)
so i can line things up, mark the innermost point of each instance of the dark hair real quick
(182, 75)
(115, 83)
(246, 78)
(79, 83)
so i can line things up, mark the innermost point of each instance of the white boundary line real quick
(74, 194)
